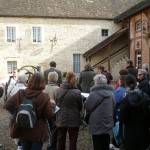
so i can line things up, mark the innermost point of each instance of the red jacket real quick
(43, 108)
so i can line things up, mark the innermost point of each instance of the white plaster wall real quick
(74, 36)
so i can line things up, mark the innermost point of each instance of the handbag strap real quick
(99, 104)
(62, 97)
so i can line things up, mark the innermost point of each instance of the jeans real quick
(101, 142)
(31, 145)
(61, 137)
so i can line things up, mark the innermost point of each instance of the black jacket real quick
(133, 114)
(132, 70)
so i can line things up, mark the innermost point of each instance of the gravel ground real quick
(84, 139)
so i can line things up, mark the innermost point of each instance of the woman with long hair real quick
(69, 99)
(32, 138)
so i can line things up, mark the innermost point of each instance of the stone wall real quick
(74, 36)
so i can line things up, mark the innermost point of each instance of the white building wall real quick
(74, 36)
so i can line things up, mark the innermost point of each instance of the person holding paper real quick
(51, 90)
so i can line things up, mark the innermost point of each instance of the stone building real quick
(34, 32)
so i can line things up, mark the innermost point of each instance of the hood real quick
(135, 97)
(32, 93)
(105, 90)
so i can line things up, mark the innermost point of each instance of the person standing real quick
(146, 67)
(100, 104)
(69, 99)
(108, 75)
(131, 69)
(86, 78)
(32, 138)
(122, 72)
(10, 83)
(52, 69)
(133, 114)
(51, 90)
(143, 81)
(21, 84)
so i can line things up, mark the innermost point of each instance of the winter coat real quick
(119, 94)
(86, 80)
(17, 87)
(51, 90)
(143, 83)
(132, 70)
(43, 109)
(52, 69)
(70, 106)
(133, 115)
(101, 104)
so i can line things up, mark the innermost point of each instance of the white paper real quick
(85, 94)
(56, 108)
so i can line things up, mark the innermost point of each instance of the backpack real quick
(26, 116)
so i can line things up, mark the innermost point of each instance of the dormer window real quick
(104, 32)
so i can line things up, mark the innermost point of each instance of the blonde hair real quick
(87, 66)
(52, 77)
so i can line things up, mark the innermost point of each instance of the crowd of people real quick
(118, 114)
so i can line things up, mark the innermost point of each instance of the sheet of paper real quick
(56, 109)
(85, 94)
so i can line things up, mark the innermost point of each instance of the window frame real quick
(10, 66)
(38, 38)
(138, 59)
(103, 32)
(11, 36)
(76, 63)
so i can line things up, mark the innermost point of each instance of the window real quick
(76, 63)
(11, 65)
(104, 32)
(138, 26)
(36, 34)
(11, 34)
(138, 59)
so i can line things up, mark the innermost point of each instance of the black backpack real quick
(26, 116)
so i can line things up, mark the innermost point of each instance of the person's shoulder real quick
(57, 70)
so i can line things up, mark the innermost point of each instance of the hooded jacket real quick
(101, 104)
(43, 108)
(133, 114)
